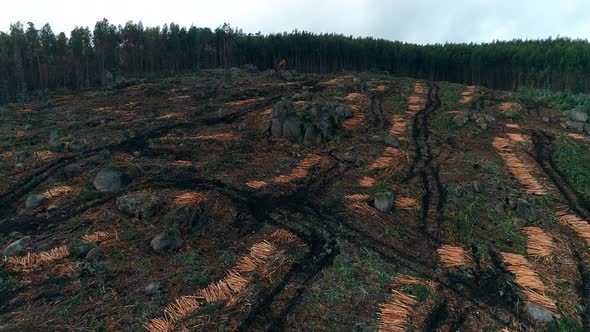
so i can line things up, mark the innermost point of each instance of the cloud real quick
(419, 21)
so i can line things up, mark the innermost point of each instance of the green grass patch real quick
(573, 162)
(563, 101)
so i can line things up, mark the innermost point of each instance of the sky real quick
(414, 21)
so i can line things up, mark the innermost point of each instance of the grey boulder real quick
(34, 201)
(384, 202)
(392, 141)
(165, 242)
(460, 120)
(538, 314)
(292, 129)
(312, 136)
(72, 170)
(152, 288)
(139, 205)
(108, 180)
(578, 115)
(17, 248)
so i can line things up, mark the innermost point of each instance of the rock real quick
(480, 121)
(276, 127)
(249, 68)
(340, 99)
(344, 112)
(489, 118)
(83, 250)
(519, 222)
(477, 187)
(72, 170)
(460, 120)
(538, 314)
(376, 138)
(587, 128)
(34, 201)
(152, 288)
(384, 201)
(21, 156)
(347, 156)
(28, 126)
(108, 180)
(312, 136)
(242, 127)
(55, 143)
(512, 203)
(392, 141)
(165, 242)
(303, 96)
(483, 126)
(546, 119)
(52, 208)
(75, 146)
(136, 154)
(579, 126)
(19, 166)
(525, 211)
(94, 254)
(292, 129)
(139, 205)
(578, 115)
(279, 114)
(17, 248)
(499, 208)
(324, 120)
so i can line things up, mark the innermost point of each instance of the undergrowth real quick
(573, 162)
(560, 100)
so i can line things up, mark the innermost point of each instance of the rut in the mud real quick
(543, 149)
(422, 167)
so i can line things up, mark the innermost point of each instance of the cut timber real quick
(538, 242)
(452, 256)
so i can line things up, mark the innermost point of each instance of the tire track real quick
(433, 192)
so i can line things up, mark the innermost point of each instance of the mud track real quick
(433, 192)
(543, 152)
(137, 143)
(543, 149)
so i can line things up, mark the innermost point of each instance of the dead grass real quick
(539, 244)
(467, 95)
(43, 155)
(224, 137)
(367, 182)
(229, 288)
(507, 106)
(98, 237)
(301, 171)
(190, 198)
(244, 103)
(580, 226)
(393, 315)
(532, 286)
(519, 169)
(57, 193)
(31, 261)
(392, 157)
(406, 203)
(452, 256)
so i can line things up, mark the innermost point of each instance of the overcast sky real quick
(417, 21)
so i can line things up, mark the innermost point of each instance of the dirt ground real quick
(277, 235)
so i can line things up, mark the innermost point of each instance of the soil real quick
(227, 190)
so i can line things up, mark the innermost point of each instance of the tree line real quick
(33, 60)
